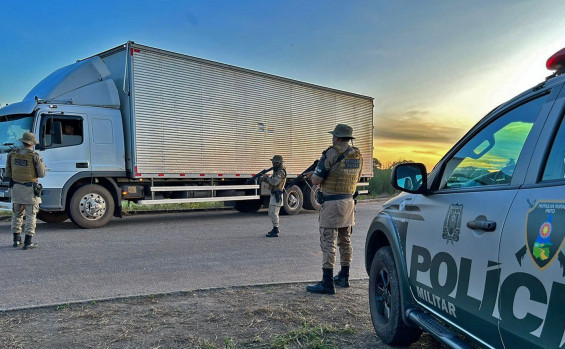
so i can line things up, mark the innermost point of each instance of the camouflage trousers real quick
(18, 212)
(274, 214)
(328, 237)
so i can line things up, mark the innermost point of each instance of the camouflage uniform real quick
(24, 167)
(276, 183)
(338, 171)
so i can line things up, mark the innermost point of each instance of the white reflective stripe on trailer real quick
(213, 199)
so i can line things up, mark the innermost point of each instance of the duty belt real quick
(27, 184)
(337, 197)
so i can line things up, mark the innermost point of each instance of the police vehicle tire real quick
(293, 201)
(248, 206)
(310, 202)
(91, 206)
(52, 216)
(384, 301)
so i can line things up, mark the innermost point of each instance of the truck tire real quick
(384, 301)
(248, 206)
(91, 206)
(52, 216)
(293, 200)
(310, 202)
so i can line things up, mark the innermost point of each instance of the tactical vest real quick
(281, 184)
(343, 179)
(23, 168)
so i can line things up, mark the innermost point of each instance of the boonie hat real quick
(277, 158)
(28, 138)
(343, 131)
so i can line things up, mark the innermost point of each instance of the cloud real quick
(418, 125)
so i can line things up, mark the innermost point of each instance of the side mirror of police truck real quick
(410, 178)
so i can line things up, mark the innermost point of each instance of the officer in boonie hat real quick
(276, 184)
(24, 167)
(337, 174)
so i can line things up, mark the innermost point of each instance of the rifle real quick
(250, 180)
(301, 176)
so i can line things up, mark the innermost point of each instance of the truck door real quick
(452, 250)
(532, 287)
(64, 140)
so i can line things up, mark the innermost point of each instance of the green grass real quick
(308, 336)
(129, 206)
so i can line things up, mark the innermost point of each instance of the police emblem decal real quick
(543, 241)
(452, 223)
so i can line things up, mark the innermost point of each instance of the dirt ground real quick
(272, 316)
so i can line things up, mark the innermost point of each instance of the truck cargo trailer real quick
(153, 127)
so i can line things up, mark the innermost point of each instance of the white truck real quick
(140, 124)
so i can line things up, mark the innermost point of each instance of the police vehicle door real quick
(452, 251)
(532, 280)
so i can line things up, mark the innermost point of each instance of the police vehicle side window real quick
(555, 165)
(490, 156)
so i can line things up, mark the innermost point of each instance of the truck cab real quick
(75, 116)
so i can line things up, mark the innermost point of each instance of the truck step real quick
(188, 200)
(439, 331)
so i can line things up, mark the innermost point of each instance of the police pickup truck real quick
(472, 252)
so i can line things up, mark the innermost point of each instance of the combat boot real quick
(326, 286)
(17, 240)
(342, 278)
(28, 244)
(273, 233)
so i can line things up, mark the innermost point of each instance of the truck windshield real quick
(12, 127)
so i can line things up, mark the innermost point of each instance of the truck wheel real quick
(52, 216)
(310, 202)
(384, 301)
(292, 202)
(91, 206)
(248, 206)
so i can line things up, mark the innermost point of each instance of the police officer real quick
(23, 168)
(276, 184)
(337, 175)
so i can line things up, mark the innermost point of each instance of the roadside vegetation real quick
(129, 206)
(379, 185)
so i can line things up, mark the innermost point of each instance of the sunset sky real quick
(434, 68)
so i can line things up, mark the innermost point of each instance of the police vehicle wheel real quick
(248, 206)
(384, 301)
(52, 216)
(310, 202)
(91, 206)
(293, 200)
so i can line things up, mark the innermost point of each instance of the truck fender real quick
(84, 178)
(382, 232)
